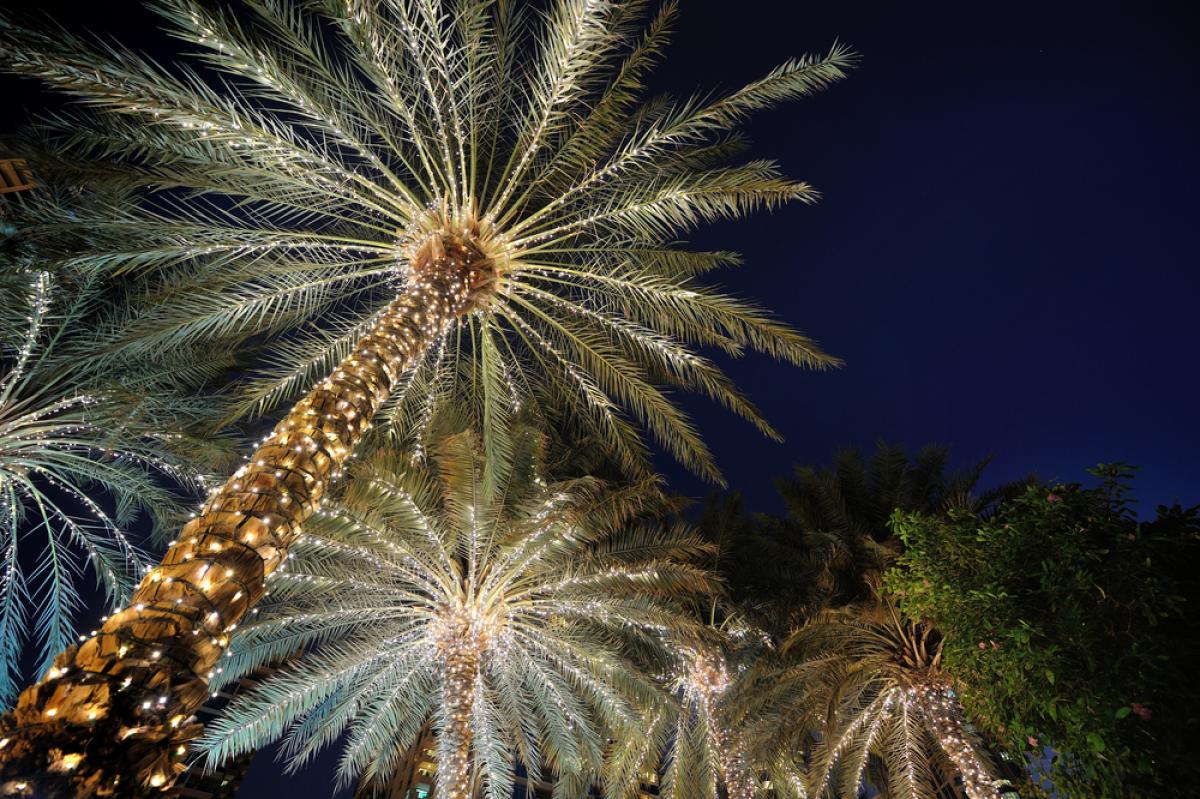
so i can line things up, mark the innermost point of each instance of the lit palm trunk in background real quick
(700, 737)
(462, 648)
(496, 172)
(735, 767)
(872, 683)
(940, 705)
(710, 681)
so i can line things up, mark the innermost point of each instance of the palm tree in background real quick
(842, 512)
(81, 459)
(857, 691)
(512, 618)
(864, 695)
(833, 543)
(402, 197)
(697, 739)
(867, 694)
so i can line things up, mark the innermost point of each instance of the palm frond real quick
(80, 461)
(568, 604)
(286, 173)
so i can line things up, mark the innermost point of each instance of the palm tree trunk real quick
(114, 715)
(454, 740)
(941, 707)
(735, 766)
(709, 681)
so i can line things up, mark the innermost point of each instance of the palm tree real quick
(400, 194)
(698, 738)
(834, 542)
(513, 619)
(80, 462)
(869, 684)
(866, 694)
(841, 513)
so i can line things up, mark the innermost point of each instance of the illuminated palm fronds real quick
(79, 463)
(287, 199)
(513, 618)
(867, 695)
(698, 739)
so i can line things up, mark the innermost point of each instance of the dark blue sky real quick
(1005, 255)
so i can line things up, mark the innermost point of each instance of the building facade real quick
(14, 175)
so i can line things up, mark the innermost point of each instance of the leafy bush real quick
(1067, 626)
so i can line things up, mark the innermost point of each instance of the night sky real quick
(1004, 256)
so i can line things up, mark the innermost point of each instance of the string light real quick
(705, 681)
(283, 481)
(940, 705)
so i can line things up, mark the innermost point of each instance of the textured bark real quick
(454, 739)
(114, 716)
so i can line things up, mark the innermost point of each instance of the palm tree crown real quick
(350, 140)
(512, 619)
(867, 695)
(697, 739)
(841, 513)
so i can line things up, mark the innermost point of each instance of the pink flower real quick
(982, 645)
(1141, 711)
(1032, 741)
(1053, 498)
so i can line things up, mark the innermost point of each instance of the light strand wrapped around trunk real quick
(709, 680)
(459, 687)
(114, 714)
(941, 707)
(735, 765)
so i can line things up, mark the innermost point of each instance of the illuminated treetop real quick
(348, 142)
